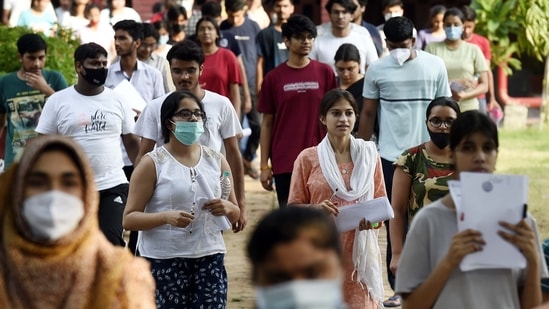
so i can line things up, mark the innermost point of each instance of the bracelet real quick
(265, 168)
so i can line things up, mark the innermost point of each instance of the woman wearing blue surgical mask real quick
(52, 252)
(467, 68)
(174, 201)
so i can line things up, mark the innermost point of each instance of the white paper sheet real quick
(487, 199)
(222, 221)
(375, 210)
(131, 97)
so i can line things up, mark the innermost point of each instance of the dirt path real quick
(259, 201)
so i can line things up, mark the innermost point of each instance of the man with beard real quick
(23, 94)
(222, 124)
(341, 31)
(290, 101)
(96, 117)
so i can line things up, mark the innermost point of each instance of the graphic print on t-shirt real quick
(24, 111)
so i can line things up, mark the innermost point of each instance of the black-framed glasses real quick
(187, 114)
(437, 122)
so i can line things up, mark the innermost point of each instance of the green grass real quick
(526, 152)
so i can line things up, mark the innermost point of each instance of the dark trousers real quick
(111, 209)
(282, 187)
(254, 121)
(388, 171)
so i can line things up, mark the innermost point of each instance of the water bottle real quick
(226, 185)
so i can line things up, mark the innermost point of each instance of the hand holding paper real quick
(376, 210)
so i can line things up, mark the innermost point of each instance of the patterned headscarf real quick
(79, 270)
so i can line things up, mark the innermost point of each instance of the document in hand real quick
(221, 221)
(132, 98)
(375, 210)
(487, 199)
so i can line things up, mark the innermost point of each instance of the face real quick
(92, 63)
(283, 10)
(206, 33)
(340, 17)
(404, 44)
(475, 153)
(94, 15)
(65, 4)
(124, 43)
(41, 5)
(185, 74)
(33, 62)
(146, 48)
(437, 22)
(359, 12)
(236, 18)
(44, 176)
(468, 29)
(300, 259)
(340, 119)
(452, 21)
(439, 118)
(118, 4)
(395, 10)
(347, 71)
(188, 111)
(300, 44)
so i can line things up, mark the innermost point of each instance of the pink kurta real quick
(309, 186)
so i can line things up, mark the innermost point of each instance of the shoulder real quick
(211, 97)
(211, 153)
(308, 154)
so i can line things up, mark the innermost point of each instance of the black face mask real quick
(95, 76)
(176, 28)
(441, 140)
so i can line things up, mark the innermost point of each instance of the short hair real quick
(213, 22)
(298, 24)
(389, 3)
(333, 96)
(471, 122)
(436, 9)
(186, 50)
(454, 12)
(283, 226)
(150, 31)
(175, 11)
(31, 43)
(468, 13)
(170, 106)
(211, 8)
(270, 4)
(442, 101)
(362, 3)
(89, 51)
(134, 29)
(235, 5)
(347, 52)
(349, 5)
(89, 7)
(398, 29)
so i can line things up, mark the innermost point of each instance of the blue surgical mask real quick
(453, 33)
(318, 294)
(163, 39)
(187, 132)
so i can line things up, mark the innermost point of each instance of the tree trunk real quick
(544, 121)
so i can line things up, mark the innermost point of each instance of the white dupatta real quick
(366, 253)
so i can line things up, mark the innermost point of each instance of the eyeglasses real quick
(187, 114)
(303, 37)
(437, 122)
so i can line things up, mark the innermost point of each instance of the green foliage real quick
(514, 28)
(59, 56)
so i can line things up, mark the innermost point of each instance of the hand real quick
(458, 95)
(493, 104)
(219, 207)
(266, 177)
(247, 105)
(395, 257)
(240, 224)
(366, 225)
(36, 81)
(178, 218)
(521, 236)
(463, 243)
(328, 207)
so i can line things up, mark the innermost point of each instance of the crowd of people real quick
(151, 141)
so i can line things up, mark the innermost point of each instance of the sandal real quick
(250, 170)
(393, 301)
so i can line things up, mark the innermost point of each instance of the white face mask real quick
(301, 294)
(53, 214)
(391, 15)
(400, 54)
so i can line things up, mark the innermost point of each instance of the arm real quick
(220, 207)
(37, 81)
(367, 118)
(245, 87)
(493, 103)
(145, 146)
(131, 143)
(5, 17)
(265, 138)
(234, 159)
(141, 190)
(259, 73)
(235, 98)
(402, 183)
(2, 123)
(481, 88)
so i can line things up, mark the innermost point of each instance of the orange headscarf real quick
(80, 270)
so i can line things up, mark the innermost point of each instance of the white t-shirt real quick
(325, 47)
(95, 123)
(128, 13)
(16, 7)
(221, 123)
(404, 92)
